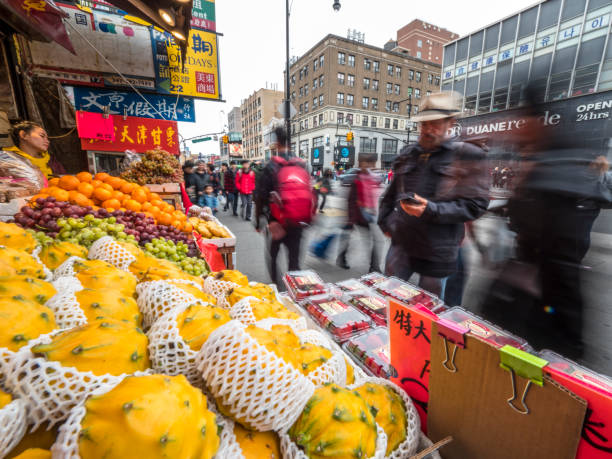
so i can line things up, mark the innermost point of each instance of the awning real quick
(38, 20)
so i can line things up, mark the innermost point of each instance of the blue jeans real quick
(246, 201)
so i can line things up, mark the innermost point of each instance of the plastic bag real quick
(131, 157)
(17, 167)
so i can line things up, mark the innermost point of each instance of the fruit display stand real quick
(169, 192)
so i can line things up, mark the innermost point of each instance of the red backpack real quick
(293, 202)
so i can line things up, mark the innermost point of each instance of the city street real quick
(597, 275)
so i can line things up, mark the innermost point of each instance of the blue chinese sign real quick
(131, 104)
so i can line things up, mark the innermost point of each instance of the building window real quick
(389, 70)
(321, 61)
(349, 118)
(395, 124)
(418, 77)
(301, 91)
(301, 73)
(437, 81)
(396, 107)
(417, 93)
(315, 83)
(389, 88)
(321, 100)
(374, 103)
(419, 43)
(340, 98)
(341, 78)
(366, 83)
(397, 89)
(411, 74)
(376, 66)
(430, 78)
(305, 71)
(314, 65)
(320, 119)
(387, 123)
(317, 141)
(389, 146)
(341, 58)
(373, 122)
(367, 64)
(367, 145)
(398, 72)
(293, 96)
(365, 102)
(350, 99)
(306, 89)
(429, 93)
(351, 60)
(409, 92)
(340, 118)
(314, 103)
(375, 85)
(314, 121)
(301, 108)
(364, 120)
(587, 66)
(321, 81)
(350, 80)
(388, 105)
(305, 107)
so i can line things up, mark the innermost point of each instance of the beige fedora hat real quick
(439, 105)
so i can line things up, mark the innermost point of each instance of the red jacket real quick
(245, 183)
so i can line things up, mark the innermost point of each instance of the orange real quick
(96, 183)
(102, 176)
(168, 208)
(177, 224)
(154, 210)
(111, 203)
(139, 195)
(158, 203)
(84, 176)
(85, 189)
(187, 227)
(69, 182)
(180, 216)
(154, 196)
(78, 198)
(128, 187)
(164, 219)
(146, 190)
(106, 186)
(102, 194)
(54, 181)
(146, 206)
(59, 194)
(133, 205)
(118, 195)
(115, 182)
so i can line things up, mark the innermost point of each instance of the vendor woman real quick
(31, 142)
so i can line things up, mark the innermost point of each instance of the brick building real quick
(256, 112)
(341, 85)
(422, 40)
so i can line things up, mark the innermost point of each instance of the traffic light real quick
(349, 136)
(225, 139)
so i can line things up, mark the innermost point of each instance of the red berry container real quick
(373, 279)
(407, 293)
(351, 285)
(370, 303)
(302, 284)
(371, 351)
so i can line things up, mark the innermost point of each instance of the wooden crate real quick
(169, 192)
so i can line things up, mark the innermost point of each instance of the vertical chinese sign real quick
(203, 15)
(198, 77)
(138, 134)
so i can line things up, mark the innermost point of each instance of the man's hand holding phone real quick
(413, 204)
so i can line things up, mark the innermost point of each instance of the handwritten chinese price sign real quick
(410, 340)
(138, 134)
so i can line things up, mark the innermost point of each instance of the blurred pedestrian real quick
(202, 179)
(222, 172)
(389, 176)
(190, 181)
(322, 188)
(230, 189)
(213, 178)
(362, 205)
(284, 204)
(245, 184)
(210, 198)
(437, 186)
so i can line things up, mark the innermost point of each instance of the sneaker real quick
(321, 211)
(342, 264)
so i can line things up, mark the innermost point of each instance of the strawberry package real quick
(371, 350)
(373, 279)
(337, 316)
(407, 293)
(484, 329)
(370, 303)
(351, 285)
(302, 284)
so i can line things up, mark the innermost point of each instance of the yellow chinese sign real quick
(199, 76)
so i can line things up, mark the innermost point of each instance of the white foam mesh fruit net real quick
(107, 249)
(219, 289)
(253, 383)
(243, 312)
(13, 425)
(413, 424)
(66, 308)
(156, 298)
(49, 389)
(66, 268)
(168, 351)
(229, 448)
(290, 450)
(48, 273)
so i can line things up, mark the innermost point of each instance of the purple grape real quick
(51, 199)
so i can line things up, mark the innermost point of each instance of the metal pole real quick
(287, 87)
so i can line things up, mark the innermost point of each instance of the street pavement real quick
(596, 280)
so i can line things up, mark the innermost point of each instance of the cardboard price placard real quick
(410, 341)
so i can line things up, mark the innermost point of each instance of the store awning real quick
(39, 20)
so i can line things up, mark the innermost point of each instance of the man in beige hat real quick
(437, 186)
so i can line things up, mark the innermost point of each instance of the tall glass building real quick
(562, 46)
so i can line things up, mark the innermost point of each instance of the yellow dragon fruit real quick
(163, 270)
(57, 252)
(388, 410)
(23, 320)
(5, 398)
(153, 417)
(105, 346)
(108, 303)
(335, 423)
(257, 445)
(40, 439)
(20, 287)
(34, 453)
(18, 262)
(13, 236)
(238, 293)
(98, 274)
(197, 322)
(231, 276)
(195, 291)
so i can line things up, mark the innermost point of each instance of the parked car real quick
(348, 176)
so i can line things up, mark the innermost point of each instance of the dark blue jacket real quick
(455, 181)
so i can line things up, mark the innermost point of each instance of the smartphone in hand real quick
(409, 199)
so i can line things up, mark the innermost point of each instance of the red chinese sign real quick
(95, 126)
(138, 134)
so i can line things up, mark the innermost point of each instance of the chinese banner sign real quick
(199, 77)
(410, 342)
(203, 15)
(138, 134)
(95, 126)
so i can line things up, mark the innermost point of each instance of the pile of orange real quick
(113, 193)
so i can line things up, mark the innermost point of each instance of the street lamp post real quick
(336, 6)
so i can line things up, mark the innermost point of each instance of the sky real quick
(252, 48)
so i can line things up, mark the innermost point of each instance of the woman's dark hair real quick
(188, 164)
(25, 126)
